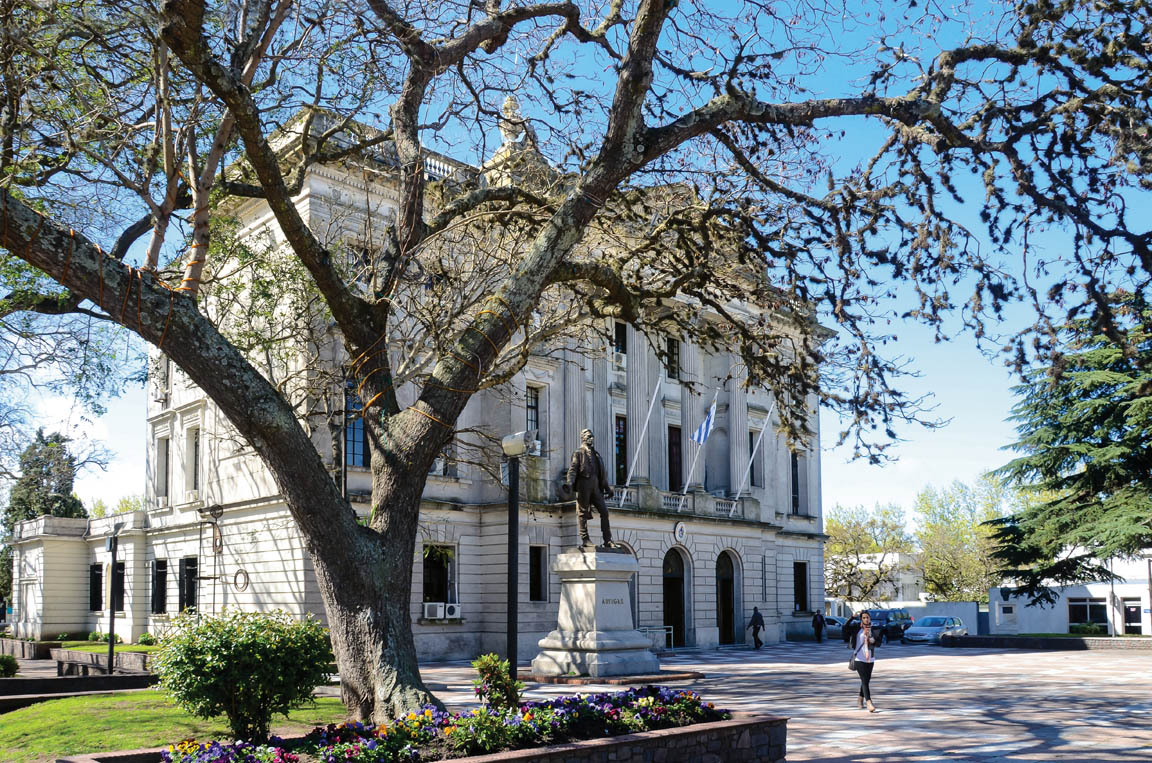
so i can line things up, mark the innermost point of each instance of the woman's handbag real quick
(852, 662)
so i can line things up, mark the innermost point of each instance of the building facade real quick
(739, 531)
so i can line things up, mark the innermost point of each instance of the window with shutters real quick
(160, 586)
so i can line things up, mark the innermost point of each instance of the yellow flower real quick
(448, 730)
(427, 713)
(411, 716)
(527, 716)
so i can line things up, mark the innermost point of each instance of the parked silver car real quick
(932, 627)
(833, 626)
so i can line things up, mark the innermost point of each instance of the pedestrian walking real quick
(818, 626)
(756, 623)
(864, 657)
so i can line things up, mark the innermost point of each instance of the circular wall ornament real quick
(240, 580)
(680, 532)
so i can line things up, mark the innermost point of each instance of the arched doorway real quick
(675, 586)
(726, 597)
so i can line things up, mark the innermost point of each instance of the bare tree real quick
(692, 170)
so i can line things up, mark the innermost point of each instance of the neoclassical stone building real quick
(215, 533)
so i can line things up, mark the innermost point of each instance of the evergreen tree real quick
(1084, 427)
(47, 472)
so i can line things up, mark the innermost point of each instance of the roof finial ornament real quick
(513, 125)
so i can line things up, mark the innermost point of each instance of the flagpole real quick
(692, 468)
(755, 448)
(640, 440)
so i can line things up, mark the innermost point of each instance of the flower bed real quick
(436, 735)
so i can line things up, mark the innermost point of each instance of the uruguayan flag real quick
(705, 428)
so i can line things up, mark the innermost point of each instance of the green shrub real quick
(246, 665)
(8, 666)
(1088, 629)
(63, 637)
(146, 639)
(495, 686)
(96, 636)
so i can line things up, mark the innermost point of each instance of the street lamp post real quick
(110, 544)
(514, 446)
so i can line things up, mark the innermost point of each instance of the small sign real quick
(1147, 611)
(680, 532)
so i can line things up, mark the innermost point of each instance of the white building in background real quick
(1121, 608)
(215, 533)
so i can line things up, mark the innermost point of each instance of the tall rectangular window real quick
(796, 474)
(118, 587)
(189, 570)
(95, 587)
(621, 449)
(754, 472)
(159, 586)
(620, 338)
(532, 409)
(355, 435)
(192, 462)
(675, 460)
(800, 586)
(672, 359)
(439, 573)
(163, 468)
(537, 573)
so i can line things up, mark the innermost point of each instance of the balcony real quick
(701, 504)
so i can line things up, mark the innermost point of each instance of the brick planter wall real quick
(27, 650)
(744, 739)
(1072, 643)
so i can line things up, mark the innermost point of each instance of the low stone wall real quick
(744, 739)
(136, 662)
(1072, 643)
(27, 650)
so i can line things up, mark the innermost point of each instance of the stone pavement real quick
(935, 704)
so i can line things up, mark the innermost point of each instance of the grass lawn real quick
(101, 647)
(126, 721)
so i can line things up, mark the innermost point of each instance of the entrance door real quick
(1132, 617)
(726, 598)
(674, 595)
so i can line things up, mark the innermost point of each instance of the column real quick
(737, 426)
(575, 415)
(602, 411)
(693, 406)
(639, 396)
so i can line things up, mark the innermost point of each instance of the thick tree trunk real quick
(367, 595)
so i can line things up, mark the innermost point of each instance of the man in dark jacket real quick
(756, 623)
(818, 626)
(587, 477)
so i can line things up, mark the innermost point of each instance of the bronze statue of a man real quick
(587, 477)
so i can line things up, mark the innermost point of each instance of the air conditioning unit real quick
(433, 610)
(437, 467)
(452, 611)
(161, 501)
(620, 359)
(534, 448)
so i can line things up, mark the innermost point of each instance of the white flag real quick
(705, 428)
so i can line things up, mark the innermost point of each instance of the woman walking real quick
(865, 655)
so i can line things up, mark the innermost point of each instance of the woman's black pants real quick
(865, 671)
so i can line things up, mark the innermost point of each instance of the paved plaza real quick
(935, 704)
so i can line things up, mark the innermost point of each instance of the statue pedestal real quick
(595, 636)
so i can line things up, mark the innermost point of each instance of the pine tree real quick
(1084, 426)
(47, 473)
